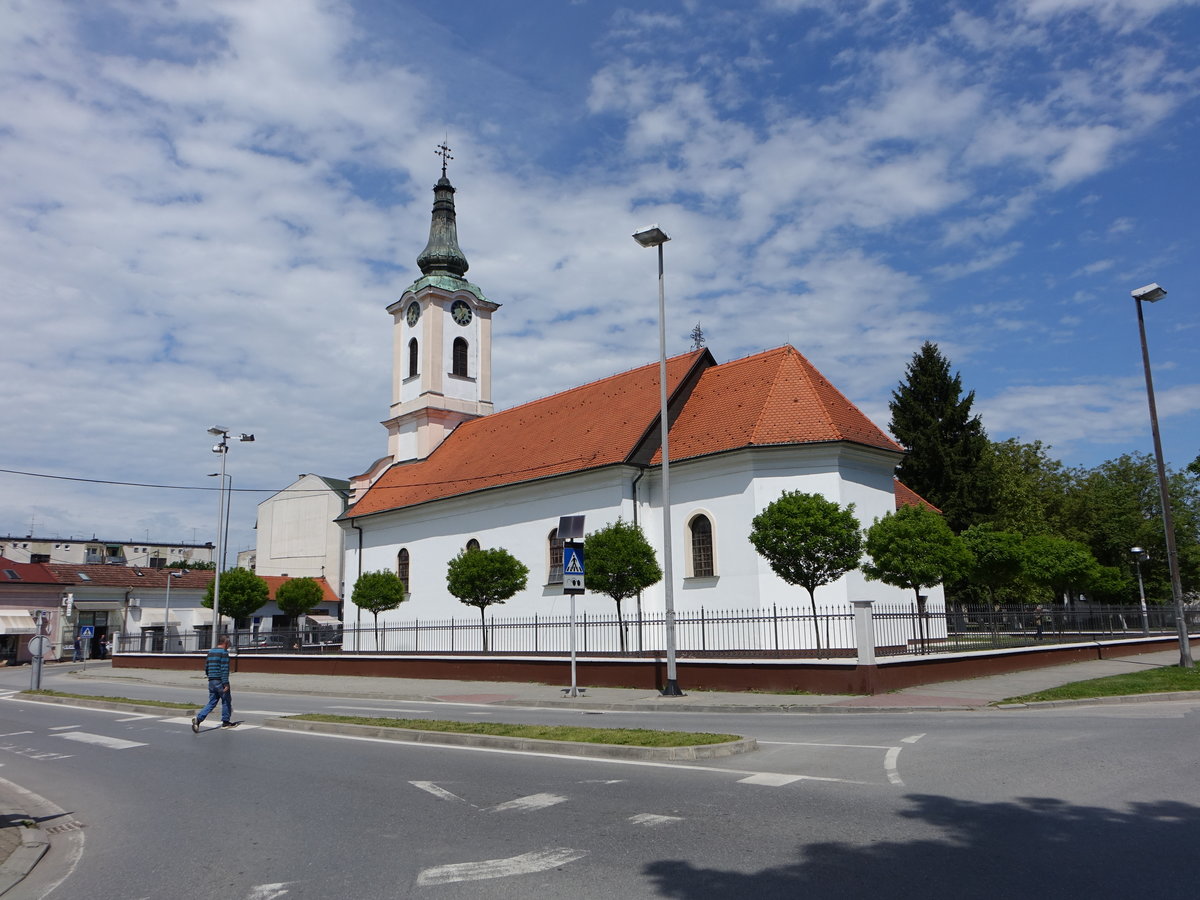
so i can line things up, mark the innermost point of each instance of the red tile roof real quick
(776, 397)
(906, 496)
(26, 573)
(129, 576)
(772, 398)
(274, 581)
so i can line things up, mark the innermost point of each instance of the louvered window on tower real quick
(460, 357)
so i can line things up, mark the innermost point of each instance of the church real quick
(457, 473)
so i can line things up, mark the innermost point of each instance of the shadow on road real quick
(1032, 847)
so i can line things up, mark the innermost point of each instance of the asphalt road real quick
(1086, 801)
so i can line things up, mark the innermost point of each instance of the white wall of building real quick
(297, 534)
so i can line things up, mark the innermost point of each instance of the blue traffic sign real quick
(572, 569)
(87, 631)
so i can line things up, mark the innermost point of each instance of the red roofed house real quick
(742, 433)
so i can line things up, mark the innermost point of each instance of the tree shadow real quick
(1031, 847)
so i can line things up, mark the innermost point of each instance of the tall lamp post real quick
(221, 448)
(1152, 293)
(171, 573)
(653, 236)
(1139, 557)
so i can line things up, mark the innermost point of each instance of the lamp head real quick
(246, 437)
(217, 429)
(1150, 293)
(651, 236)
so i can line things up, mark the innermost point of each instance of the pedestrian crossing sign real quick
(87, 631)
(572, 569)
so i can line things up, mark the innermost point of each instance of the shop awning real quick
(324, 620)
(17, 623)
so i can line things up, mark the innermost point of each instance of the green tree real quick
(997, 558)
(378, 592)
(914, 548)
(808, 541)
(1062, 566)
(619, 563)
(297, 596)
(483, 578)
(1025, 487)
(932, 420)
(242, 594)
(193, 565)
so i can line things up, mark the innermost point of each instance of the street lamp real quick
(222, 448)
(1152, 293)
(1139, 557)
(178, 573)
(653, 236)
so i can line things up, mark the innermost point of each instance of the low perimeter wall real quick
(770, 675)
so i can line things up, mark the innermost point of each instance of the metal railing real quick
(792, 632)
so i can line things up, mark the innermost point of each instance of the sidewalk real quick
(975, 694)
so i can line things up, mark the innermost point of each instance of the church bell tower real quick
(441, 341)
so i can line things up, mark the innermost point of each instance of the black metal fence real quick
(795, 632)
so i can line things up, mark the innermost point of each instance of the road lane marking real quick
(100, 740)
(525, 864)
(836, 746)
(387, 709)
(62, 727)
(912, 740)
(268, 891)
(138, 716)
(439, 792)
(889, 766)
(532, 802)
(14, 733)
(677, 766)
(652, 819)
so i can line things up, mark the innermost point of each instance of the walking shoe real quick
(229, 724)
(195, 725)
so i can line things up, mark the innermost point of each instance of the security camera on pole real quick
(222, 527)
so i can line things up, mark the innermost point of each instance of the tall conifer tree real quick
(932, 420)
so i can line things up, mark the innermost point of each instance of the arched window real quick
(460, 357)
(556, 558)
(472, 544)
(412, 357)
(700, 530)
(402, 566)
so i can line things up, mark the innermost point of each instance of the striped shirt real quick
(216, 664)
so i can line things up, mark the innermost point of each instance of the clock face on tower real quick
(412, 314)
(461, 312)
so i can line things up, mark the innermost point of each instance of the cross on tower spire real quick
(444, 152)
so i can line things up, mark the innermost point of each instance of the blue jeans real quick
(217, 693)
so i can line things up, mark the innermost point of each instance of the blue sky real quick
(207, 206)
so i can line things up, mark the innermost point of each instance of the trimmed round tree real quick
(297, 596)
(242, 594)
(378, 592)
(619, 563)
(483, 578)
(914, 548)
(809, 541)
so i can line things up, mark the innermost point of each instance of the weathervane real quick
(444, 152)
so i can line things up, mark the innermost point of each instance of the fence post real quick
(864, 632)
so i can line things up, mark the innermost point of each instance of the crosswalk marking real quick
(101, 740)
(652, 819)
(770, 779)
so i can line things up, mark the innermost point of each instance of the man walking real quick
(216, 667)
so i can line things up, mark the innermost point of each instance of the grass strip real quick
(1152, 681)
(629, 737)
(166, 704)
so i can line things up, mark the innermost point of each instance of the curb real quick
(536, 745)
(143, 708)
(20, 863)
(1113, 700)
